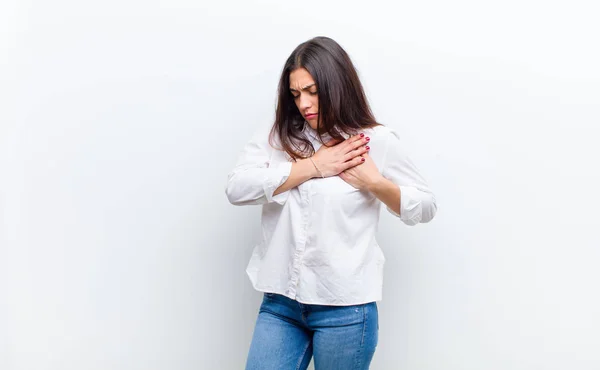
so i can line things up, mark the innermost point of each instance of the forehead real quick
(300, 78)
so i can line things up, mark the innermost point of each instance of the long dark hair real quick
(343, 105)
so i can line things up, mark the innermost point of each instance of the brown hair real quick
(343, 105)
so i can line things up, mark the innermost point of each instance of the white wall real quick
(121, 119)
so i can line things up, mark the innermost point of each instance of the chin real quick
(313, 123)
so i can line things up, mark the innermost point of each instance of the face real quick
(304, 90)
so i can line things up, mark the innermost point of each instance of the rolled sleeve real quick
(277, 176)
(417, 201)
(415, 206)
(254, 178)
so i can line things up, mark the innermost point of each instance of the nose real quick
(305, 102)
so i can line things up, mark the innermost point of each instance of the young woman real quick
(321, 173)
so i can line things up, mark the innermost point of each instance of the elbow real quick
(231, 197)
(239, 194)
(429, 210)
(235, 198)
(419, 211)
(231, 192)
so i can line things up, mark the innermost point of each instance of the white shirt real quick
(318, 239)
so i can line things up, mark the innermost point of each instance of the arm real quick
(254, 180)
(302, 170)
(402, 189)
(387, 192)
(332, 158)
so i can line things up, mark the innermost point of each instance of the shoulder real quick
(382, 134)
(261, 136)
(390, 144)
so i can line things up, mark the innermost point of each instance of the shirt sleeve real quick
(253, 180)
(417, 201)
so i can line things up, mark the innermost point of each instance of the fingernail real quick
(367, 147)
(362, 135)
(362, 159)
(368, 138)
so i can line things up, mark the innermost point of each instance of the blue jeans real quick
(288, 333)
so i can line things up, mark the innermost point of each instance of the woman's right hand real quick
(331, 160)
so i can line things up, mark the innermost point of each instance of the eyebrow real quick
(305, 87)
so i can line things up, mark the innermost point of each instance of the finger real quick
(353, 163)
(358, 143)
(356, 152)
(349, 141)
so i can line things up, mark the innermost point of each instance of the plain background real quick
(121, 119)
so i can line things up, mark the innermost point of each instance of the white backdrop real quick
(121, 119)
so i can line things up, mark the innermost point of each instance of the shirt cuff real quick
(410, 206)
(277, 176)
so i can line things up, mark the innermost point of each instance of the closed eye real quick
(313, 93)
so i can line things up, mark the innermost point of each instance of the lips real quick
(311, 115)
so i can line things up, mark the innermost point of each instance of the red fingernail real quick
(362, 159)
(362, 135)
(367, 147)
(368, 138)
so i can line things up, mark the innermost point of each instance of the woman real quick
(321, 175)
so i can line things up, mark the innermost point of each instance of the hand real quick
(364, 176)
(334, 156)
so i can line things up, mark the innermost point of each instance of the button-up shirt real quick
(318, 243)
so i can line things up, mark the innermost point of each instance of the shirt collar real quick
(312, 133)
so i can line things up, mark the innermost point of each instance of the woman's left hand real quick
(364, 175)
